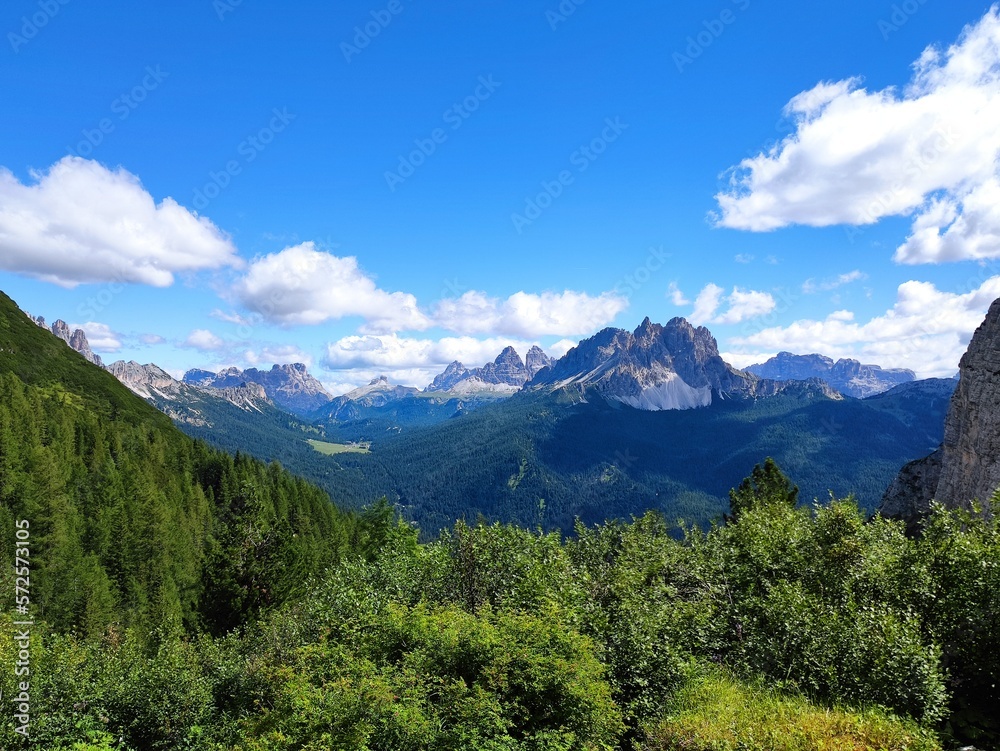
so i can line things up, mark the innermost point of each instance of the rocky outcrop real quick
(673, 366)
(970, 464)
(184, 402)
(910, 494)
(966, 467)
(847, 376)
(289, 386)
(505, 375)
(76, 339)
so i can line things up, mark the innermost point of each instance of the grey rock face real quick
(182, 401)
(674, 366)
(506, 374)
(910, 494)
(77, 339)
(288, 386)
(967, 465)
(970, 465)
(847, 376)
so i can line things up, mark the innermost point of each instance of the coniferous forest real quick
(183, 598)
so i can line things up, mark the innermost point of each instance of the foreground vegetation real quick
(186, 599)
(804, 626)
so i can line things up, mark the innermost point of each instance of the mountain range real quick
(849, 377)
(625, 421)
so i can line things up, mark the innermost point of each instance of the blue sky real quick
(384, 186)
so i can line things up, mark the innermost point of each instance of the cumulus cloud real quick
(415, 361)
(740, 305)
(926, 330)
(305, 285)
(929, 150)
(80, 222)
(811, 286)
(204, 341)
(100, 336)
(529, 315)
(280, 354)
(676, 296)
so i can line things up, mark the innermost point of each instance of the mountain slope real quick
(599, 458)
(131, 521)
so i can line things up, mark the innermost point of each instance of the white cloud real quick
(811, 286)
(281, 354)
(929, 151)
(304, 285)
(529, 315)
(706, 304)
(100, 336)
(926, 330)
(151, 339)
(743, 258)
(204, 341)
(413, 361)
(956, 229)
(742, 305)
(81, 223)
(676, 296)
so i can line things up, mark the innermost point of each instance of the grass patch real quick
(716, 713)
(330, 449)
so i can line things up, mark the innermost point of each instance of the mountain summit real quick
(505, 375)
(673, 366)
(76, 339)
(847, 376)
(289, 386)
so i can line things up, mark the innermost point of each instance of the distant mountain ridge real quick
(847, 376)
(506, 374)
(657, 367)
(290, 386)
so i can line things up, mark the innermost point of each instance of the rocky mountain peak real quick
(967, 465)
(848, 376)
(655, 367)
(76, 339)
(289, 386)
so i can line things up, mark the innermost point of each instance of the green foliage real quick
(766, 486)
(716, 713)
(597, 461)
(440, 678)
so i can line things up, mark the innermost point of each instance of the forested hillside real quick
(549, 458)
(133, 523)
